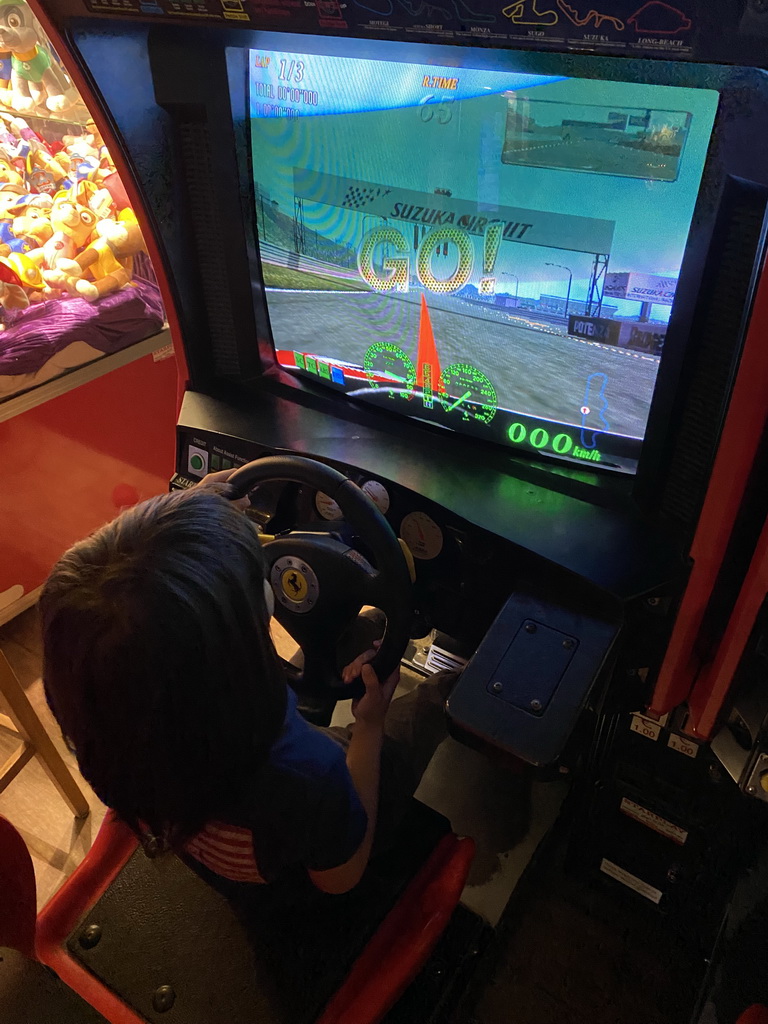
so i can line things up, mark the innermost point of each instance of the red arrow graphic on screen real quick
(427, 357)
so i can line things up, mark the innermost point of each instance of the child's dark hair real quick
(158, 663)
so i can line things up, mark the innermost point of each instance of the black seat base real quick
(269, 954)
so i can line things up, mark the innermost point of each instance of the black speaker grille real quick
(209, 243)
(717, 338)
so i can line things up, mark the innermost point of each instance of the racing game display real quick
(492, 251)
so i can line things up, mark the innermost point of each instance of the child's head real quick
(158, 663)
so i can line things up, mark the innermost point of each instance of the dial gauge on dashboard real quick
(378, 494)
(468, 393)
(386, 364)
(422, 535)
(327, 507)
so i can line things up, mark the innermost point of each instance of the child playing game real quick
(160, 669)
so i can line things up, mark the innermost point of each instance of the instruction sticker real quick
(653, 821)
(166, 352)
(631, 881)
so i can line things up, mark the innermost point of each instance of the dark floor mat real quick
(165, 936)
(30, 993)
(431, 997)
(566, 952)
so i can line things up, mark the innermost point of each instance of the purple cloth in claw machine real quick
(32, 336)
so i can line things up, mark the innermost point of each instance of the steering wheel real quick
(321, 583)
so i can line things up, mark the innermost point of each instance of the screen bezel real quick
(178, 77)
(236, 361)
(720, 162)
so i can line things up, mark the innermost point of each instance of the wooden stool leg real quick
(31, 729)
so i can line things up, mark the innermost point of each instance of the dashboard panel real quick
(464, 574)
(514, 574)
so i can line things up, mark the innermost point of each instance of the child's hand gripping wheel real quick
(321, 583)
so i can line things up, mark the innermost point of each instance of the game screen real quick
(491, 251)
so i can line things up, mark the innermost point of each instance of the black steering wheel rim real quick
(394, 581)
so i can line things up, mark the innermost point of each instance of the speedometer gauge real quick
(468, 392)
(378, 494)
(387, 366)
(422, 535)
(327, 507)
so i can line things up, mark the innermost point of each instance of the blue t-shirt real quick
(303, 808)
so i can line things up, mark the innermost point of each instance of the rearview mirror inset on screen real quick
(635, 142)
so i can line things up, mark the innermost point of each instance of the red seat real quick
(29, 993)
(17, 892)
(379, 975)
(754, 1015)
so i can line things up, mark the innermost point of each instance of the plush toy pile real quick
(67, 231)
(65, 224)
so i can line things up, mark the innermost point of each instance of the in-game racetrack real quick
(531, 367)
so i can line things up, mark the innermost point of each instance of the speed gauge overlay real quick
(467, 391)
(387, 366)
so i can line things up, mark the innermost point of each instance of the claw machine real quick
(88, 374)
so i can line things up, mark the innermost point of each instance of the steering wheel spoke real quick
(320, 631)
(362, 581)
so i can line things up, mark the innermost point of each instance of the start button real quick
(197, 460)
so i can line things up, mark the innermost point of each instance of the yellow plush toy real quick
(29, 276)
(8, 173)
(106, 265)
(72, 224)
(32, 224)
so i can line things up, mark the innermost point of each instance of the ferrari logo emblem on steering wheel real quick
(294, 583)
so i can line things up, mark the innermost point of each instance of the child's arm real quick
(217, 482)
(364, 763)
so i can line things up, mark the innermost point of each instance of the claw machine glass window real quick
(76, 283)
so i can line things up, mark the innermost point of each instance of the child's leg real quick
(416, 723)
(413, 729)
(415, 726)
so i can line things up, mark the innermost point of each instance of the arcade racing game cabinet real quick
(87, 368)
(513, 291)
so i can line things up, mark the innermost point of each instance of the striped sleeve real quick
(227, 850)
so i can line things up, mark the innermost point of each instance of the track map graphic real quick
(456, 10)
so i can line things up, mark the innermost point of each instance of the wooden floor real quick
(56, 840)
